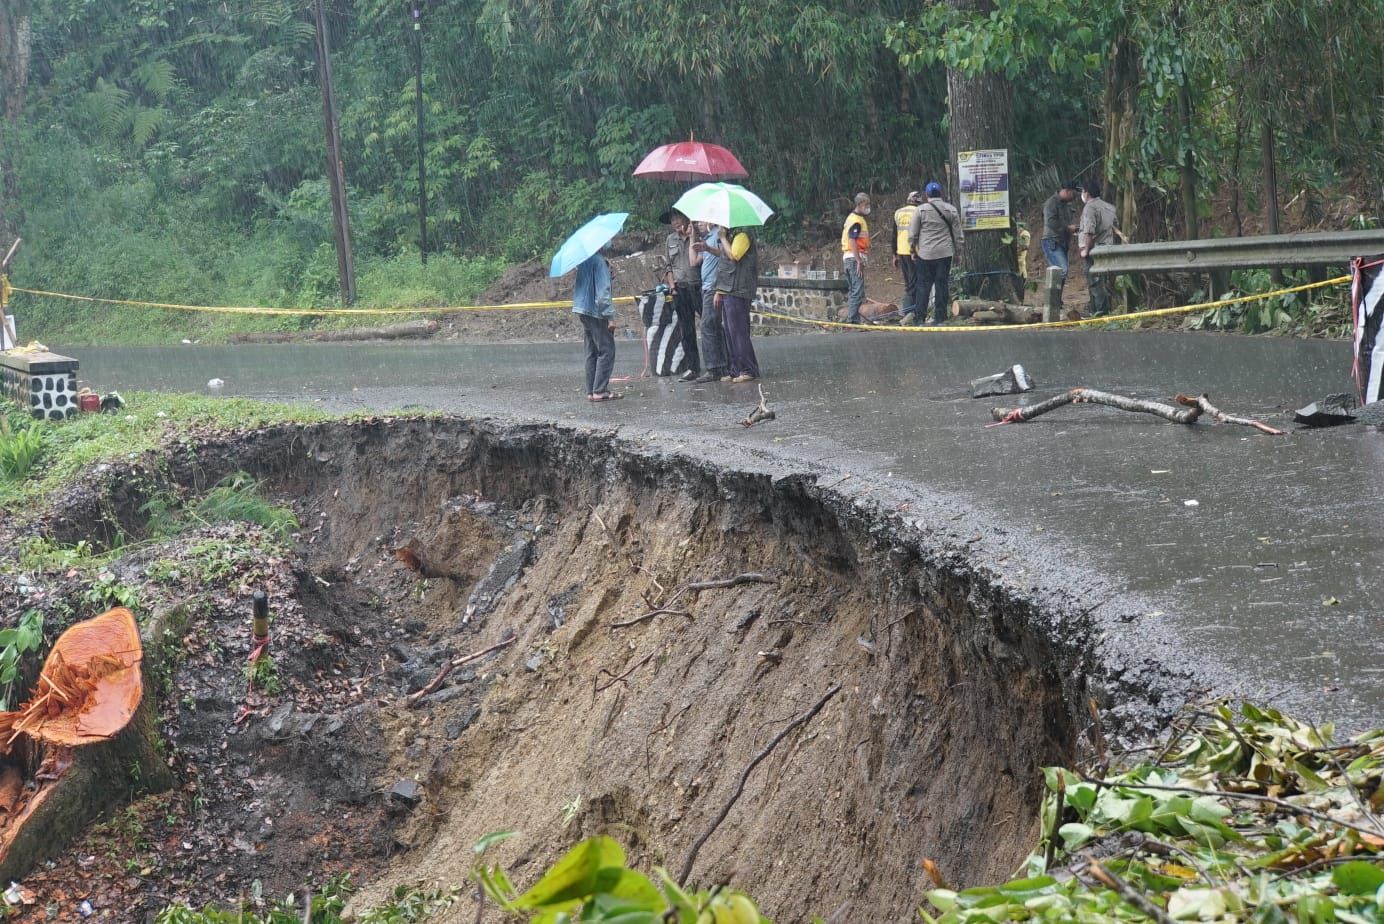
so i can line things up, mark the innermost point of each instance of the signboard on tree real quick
(984, 180)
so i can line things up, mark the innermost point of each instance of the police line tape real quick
(1050, 325)
(311, 312)
(539, 306)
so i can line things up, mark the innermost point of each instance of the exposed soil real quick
(952, 700)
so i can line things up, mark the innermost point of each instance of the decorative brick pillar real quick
(43, 383)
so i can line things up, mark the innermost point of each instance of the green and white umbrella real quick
(724, 204)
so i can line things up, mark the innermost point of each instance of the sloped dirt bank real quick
(951, 700)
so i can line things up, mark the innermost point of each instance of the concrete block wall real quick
(818, 299)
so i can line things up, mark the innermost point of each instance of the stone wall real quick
(818, 299)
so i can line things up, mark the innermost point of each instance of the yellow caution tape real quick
(1049, 325)
(6, 288)
(313, 312)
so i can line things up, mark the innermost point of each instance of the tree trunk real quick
(982, 116)
(1270, 187)
(1187, 165)
(16, 41)
(1121, 124)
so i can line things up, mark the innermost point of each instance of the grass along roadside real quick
(149, 420)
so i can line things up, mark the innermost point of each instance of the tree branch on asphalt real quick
(1192, 410)
(760, 413)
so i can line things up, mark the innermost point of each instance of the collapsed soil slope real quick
(949, 706)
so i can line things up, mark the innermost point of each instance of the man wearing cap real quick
(1097, 230)
(855, 252)
(903, 254)
(1058, 227)
(935, 236)
(684, 279)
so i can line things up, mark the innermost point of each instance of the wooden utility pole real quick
(341, 219)
(422, 160)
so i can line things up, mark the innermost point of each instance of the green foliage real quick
(147, 422)
(1205, 854)
(107, 591)
(408, 905)
(236, 498)
(263, 675)
(593, 883)
(16, 642)
(19, 449)
(1320, 313)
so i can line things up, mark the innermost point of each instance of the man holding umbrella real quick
(736, 211)
(684, 278)
(591, 301)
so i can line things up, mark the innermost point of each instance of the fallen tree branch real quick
(1245, 796)
(1204, 402)
(1192, 410)
(745, 775)
(749, 577)
(1128, 893)
(665, 611)
(447, 668)
(760, 413)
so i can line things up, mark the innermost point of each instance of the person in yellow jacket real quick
(855, 252)
(903, 254)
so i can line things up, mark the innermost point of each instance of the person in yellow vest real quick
(903, 254)
(855, 252)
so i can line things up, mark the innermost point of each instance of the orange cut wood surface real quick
(89, 688)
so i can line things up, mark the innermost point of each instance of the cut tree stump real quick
(87, 781)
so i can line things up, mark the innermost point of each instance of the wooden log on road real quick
(405, 330)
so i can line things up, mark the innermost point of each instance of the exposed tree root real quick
(667, 609)
(745, 775)
(1193, 407)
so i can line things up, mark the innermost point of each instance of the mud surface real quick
(1268, 587)
(427, 538)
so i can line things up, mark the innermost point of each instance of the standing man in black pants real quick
(904, 259)
(685, 281)
(935, 236)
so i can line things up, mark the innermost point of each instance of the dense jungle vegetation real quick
(173, 149)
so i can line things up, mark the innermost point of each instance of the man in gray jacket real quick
(935, 236)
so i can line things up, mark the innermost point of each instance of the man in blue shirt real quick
(706, 256)
(592, 305)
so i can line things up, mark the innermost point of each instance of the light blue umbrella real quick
(588, 240)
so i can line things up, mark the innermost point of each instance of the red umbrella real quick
(687, 161)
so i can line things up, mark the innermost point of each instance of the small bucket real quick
(89, 402)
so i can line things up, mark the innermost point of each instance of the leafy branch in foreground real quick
(1256, 817)
(592, 884)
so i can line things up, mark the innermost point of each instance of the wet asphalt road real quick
(1268, 586)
